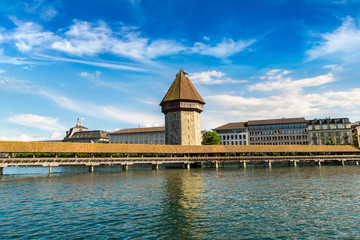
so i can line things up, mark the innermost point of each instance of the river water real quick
(307, 202)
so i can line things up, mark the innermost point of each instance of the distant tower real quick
(182, 106)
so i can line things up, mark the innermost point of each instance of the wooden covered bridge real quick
(56, 154)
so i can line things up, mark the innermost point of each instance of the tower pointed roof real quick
(182, 89)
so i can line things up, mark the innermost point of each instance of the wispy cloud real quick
(14, 60)
(344, 40)
(30, 35)
(37, 121)
(95, 78)
(285, 98)
(12, 84)
(16, 136)
(118, 113)
(224, 49)
(103, 64)
(279, 80)
(84, 39)
(212, 77)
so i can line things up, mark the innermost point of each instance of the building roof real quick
(90, 134)
(233, 125)
(277, 121)
(139, 130)
(182, 89)
(328, 121)
(52, 147)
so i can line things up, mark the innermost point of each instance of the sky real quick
(111, 62)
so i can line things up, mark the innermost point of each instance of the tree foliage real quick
(211, 138)
(355, 140)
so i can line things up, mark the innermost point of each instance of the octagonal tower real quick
(182, 106)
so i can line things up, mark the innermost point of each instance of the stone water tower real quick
(182, 106)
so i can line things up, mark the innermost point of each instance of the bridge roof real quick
(59, 147)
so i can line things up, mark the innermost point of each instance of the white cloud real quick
(84, 38)
(15, 136)
(278, 80)
(2, 71)
(91, 39)
(110, 65)
(28, 35)
(13, 60)
(334, 67)
(15, 85)
(56, 136)
(285, 98)
(344, 40)
(95, 78)
(226, 48)
(228, 108)
(48, 13)
(122, 114)
(36, 121)
(212, 77)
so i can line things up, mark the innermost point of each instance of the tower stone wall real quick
(182, 128)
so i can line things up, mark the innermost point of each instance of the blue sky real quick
(111, 62)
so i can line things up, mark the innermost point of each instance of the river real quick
(306, 202)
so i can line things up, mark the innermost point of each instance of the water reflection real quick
(182, 203)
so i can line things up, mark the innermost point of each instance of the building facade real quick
(182, 106)
(330, 131)
(233, 133)
(284, 131)
(150, 135)
(82, 134)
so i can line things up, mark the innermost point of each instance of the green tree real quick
(355, 140)
(211, 138)
(331, 142)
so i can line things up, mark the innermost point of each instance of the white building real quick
(233, 133)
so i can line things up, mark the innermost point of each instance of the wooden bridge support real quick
(319, 163)
(269, 163)
(49, 170)
(188, 166)
(155, 166)
(357, 163)
(216, 164)
(244, 164)
(125, 167)
(91, 168)
(343, 162)
(294, 163)
(1, 171)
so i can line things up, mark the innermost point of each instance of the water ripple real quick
(256, 203)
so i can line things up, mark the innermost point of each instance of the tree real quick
(355, 140)
(211, 138)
